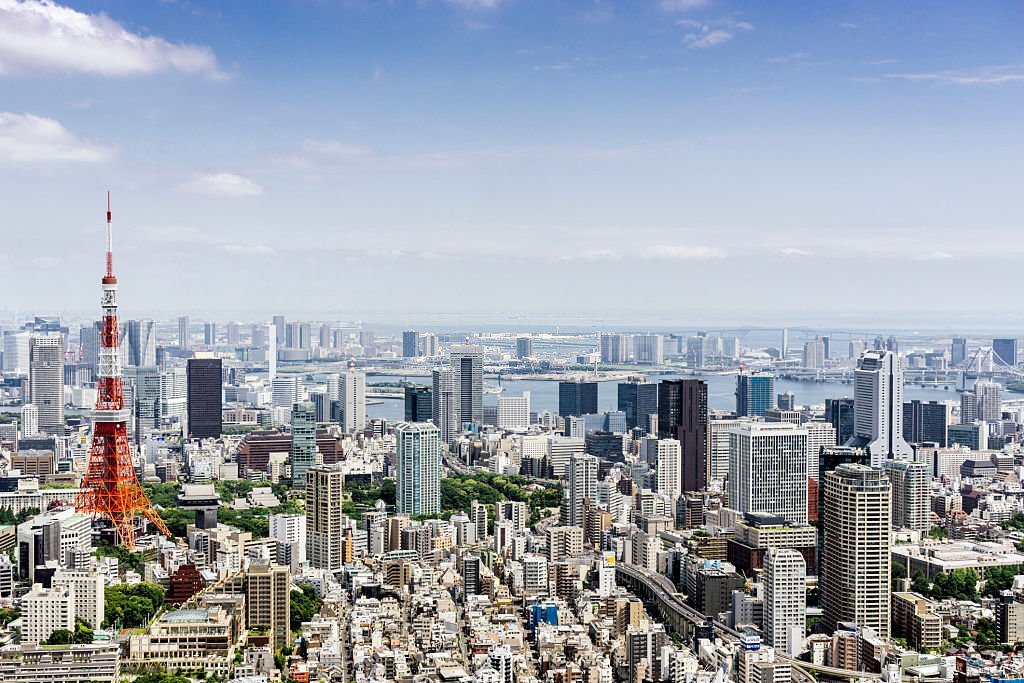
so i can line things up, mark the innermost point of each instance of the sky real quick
(651, 160)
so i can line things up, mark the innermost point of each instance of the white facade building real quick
(878, 407)
(768, 469)
(514, 411)
(785, 599)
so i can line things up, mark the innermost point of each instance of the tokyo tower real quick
(111, 488)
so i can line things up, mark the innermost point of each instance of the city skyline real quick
(695, 141)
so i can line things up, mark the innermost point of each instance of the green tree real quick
(61, 636)
(305, 604)
(9, 615)
(919, 583)
(132, 605)
(83, 634)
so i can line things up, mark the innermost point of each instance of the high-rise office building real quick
(280, 328)
(648, 349)
(786, 401)
(768, 469)
(911, 490)
(303, 450)
(174, 396)
(514, 411)
(785, 599)
(140, 335)
(755, 393)
(324, 500)
(16, 351)
(285, 391)
(410, 345)
(958, 351)
(614, 348)
(272, 351)
(417, 468)
(467, 363)
(683, 415)
(1005, 351)
(582, 486)
(819, 435)
(927, 421)
(878, 407)
(419, 404)
(443, 404)
(427, 344)
(232, 335)
(839, 413)
(989, 396)
(352, 400)
(183, 332)
(524, 347)
(577, 397)
(209, 333)
(968, 407)
(696, 351)
(205, 398)
(144, 384)
(638, 399)
(46, 382)
(855, 581)
(814, 353)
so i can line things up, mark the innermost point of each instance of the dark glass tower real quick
(683, 415)
(205, 398)
(419, 404)
(638, 400)
(577, 398)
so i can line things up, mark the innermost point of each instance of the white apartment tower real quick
(47, 610)
(582, 476)
(911, 494)
(878, 407)
(768, 469)
(353, 401)
(785, 599)
(417, 468)
(444, 401)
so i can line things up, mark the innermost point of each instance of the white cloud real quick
(248, 249)
(593, 255)
(222, 185)
(990, 75)
(792, 57)
(681, 5)
(793, 251)
(30, 138)
(712, 33)
(40, 36)
(934, 256)
(682, 253)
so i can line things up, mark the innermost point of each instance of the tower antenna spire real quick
(110, 240)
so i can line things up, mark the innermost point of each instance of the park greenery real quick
(82, 635)
(459, 491)
(256, 520)
(9, 615)
(305, 604)
(7, 517)
(131, 605)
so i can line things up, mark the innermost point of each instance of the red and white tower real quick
(111, 488)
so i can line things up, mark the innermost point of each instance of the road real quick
(667, 595)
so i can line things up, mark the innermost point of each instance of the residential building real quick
(417, 468)
(911, 493)
(785, 599)
(324, 500)
(303, 450)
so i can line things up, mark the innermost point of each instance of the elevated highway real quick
(658, 591)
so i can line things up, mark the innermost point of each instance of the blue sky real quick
(657, 159)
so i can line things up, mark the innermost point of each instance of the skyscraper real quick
(989, 396)
(927, 422)
(141, 339)
(353, 401)
(582, 485)
(648, 349)
(443, 402)
(911, 489)
(755, 393)
(324, 500)
(46, 382)
(205, 398)
(638, 399)
(524, 347)
(614, 348)
(878, 407)
(814, 353)
(303, 450)
(683, 415)
(232, 335)
(209, 333)
(668, 462)
(417, 468)
(409, 344)
(577, 397)
(857, 565)
(839, 412)
(958, 351)
(183, 336)
(1005, 351)
(768, 469)
(467, 363)
(419, 404)
(514, 411)
(785, 599)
